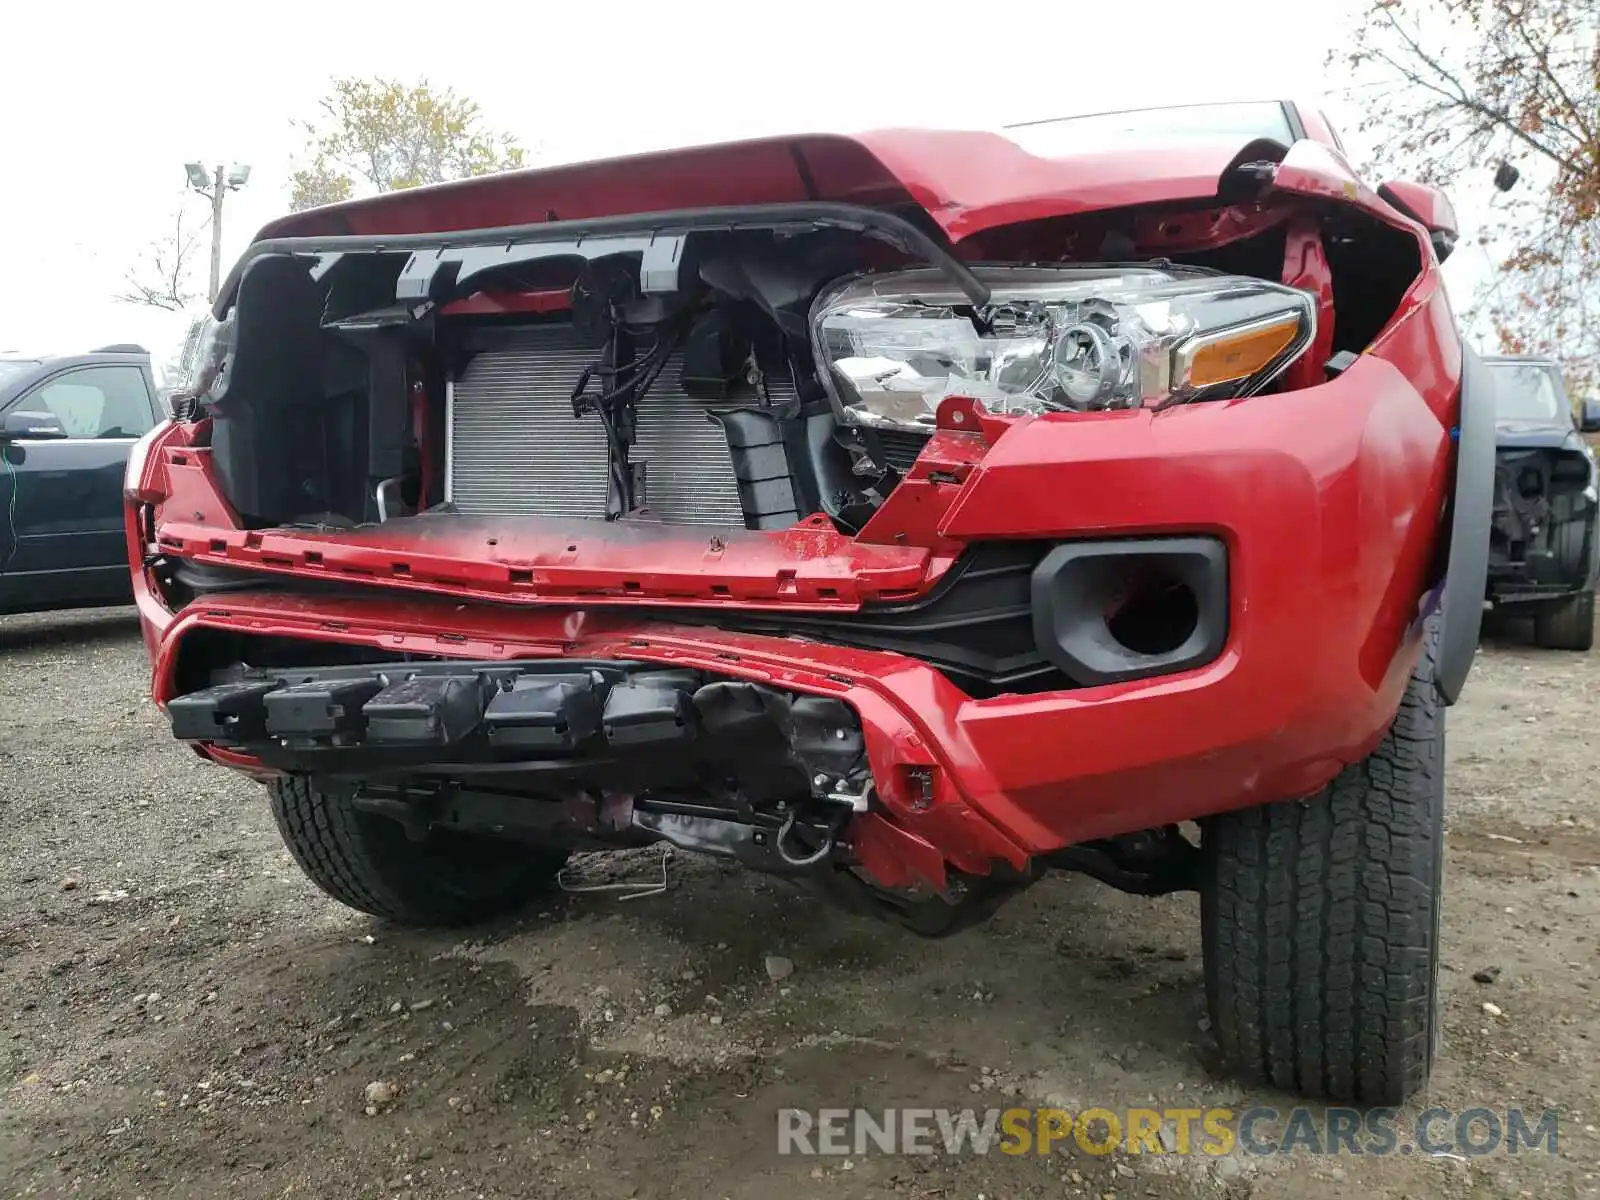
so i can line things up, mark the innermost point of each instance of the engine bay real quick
(744, 374)
(588, 381)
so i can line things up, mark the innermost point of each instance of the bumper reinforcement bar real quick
(604, 722)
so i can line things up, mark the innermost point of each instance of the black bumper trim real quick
(1472, 509)
(1078, 587)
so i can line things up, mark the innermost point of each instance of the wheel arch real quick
(1471, 508)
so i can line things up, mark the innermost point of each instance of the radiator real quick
(515, 449)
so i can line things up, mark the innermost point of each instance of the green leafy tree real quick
(384, 135)
(1456, 90)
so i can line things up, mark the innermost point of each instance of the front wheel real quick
(1568, 625)
(1320, 921)
(368, 862)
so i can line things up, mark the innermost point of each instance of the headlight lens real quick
(891, 347)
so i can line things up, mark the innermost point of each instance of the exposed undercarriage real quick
(584, 754)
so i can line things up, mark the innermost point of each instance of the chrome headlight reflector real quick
(891, 347)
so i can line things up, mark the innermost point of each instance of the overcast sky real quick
(102, 110)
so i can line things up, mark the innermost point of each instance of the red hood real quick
(968, 181)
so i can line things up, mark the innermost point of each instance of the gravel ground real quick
(182, 1014)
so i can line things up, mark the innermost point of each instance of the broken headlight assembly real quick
(202, 365)
(891, 347)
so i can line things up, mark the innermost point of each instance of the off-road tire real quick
(369, 863)
(1320, 921)
(1566, 626)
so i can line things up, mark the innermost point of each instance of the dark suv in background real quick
(1544, 545)
(67, 424)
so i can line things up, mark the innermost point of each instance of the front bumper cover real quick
(960, 781)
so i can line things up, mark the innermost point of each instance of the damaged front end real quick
(844, 534)
(1542, 541)
(1545, 535)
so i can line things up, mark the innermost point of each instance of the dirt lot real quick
(182, 1014)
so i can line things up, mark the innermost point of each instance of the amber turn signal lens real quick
(1240, 353)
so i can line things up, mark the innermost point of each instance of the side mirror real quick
(32, 426)
(1589, 419)
(1428, 207)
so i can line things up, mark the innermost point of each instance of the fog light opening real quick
(1155, 616)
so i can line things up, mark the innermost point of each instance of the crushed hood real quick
(967, 181)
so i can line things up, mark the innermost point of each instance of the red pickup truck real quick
(910, 514)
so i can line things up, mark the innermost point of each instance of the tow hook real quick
(832, 793)
(785, 842)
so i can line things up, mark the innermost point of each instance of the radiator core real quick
(515, 449)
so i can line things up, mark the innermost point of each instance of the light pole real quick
(214, 186)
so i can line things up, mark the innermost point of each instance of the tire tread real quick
(1569, 626)
(364, 862)
(1320, 922)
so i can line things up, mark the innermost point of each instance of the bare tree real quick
(390, 135)
(164, 277)
(1510, 87)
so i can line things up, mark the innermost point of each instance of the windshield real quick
(1527, 392)
(1239, 122)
